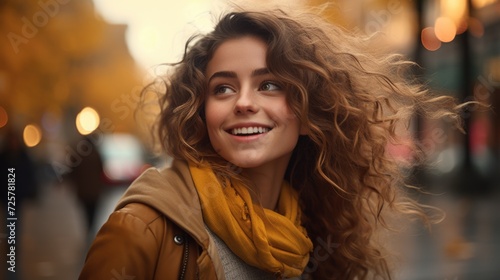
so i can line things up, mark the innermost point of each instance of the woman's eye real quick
(269, 86)
(223, 89)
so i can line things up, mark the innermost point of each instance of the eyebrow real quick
(232, 74)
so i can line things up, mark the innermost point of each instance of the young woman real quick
(278, 126)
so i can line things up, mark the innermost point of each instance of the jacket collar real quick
(171, 191)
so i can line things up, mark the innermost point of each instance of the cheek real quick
(212, 116)
(293, 124)
(213, 121)
(285, 115)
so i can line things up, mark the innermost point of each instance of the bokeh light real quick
(87, 121)
(429, 39)
(445, 29)
(32, 135)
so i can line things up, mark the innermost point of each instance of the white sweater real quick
(236, 268)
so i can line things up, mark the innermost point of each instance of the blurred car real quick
(123, 158)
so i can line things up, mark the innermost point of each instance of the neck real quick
(266, 183)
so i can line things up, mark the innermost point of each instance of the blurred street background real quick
(71, 75)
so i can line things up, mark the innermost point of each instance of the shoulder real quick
(143, 212)
(138, 216)
(128, 237)
(134, 224)
(133, 241)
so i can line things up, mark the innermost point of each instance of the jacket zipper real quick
(185, 257)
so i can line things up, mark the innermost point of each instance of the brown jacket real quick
(156, 232)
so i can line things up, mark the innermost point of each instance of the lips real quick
(252, 130)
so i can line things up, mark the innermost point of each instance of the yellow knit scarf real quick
(272, 241)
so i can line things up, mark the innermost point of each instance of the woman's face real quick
(248, 118)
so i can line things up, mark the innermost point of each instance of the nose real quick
(245, 102)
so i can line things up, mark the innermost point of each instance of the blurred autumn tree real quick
(58, 56)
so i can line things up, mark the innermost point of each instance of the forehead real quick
(238, 53)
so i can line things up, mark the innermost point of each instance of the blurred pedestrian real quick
(87, 176)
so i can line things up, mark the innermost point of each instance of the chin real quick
(245, 164)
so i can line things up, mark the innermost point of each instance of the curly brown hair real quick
(350, 99)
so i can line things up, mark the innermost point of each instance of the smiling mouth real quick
(247, 131)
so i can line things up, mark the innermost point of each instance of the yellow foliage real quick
(59, 54)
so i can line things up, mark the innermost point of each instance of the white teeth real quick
(249, 130)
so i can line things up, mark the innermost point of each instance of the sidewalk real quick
(53, 237)
(440, 254)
